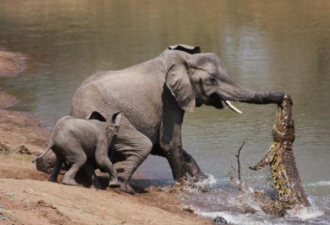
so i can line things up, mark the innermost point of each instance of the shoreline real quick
(11, 63)
(26, 197)
(17, 129)
(7, 100)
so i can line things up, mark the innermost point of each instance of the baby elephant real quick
(78, 141)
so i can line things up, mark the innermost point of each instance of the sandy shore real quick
(11, 63)
(27, 198)
(7, 100)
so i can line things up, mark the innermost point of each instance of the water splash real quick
(201, 186)
(319, 183)
(305, 213)
(236, 203)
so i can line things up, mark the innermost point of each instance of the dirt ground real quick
(26, 197)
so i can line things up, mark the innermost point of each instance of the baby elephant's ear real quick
(116, 118)
(97, 116)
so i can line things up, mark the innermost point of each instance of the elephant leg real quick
(182, 166)
(90, 173)
(170, 142)
(103, 161)
(56, 170)
(132, 148)
(78, 159)
(192, 167)
(176, 160)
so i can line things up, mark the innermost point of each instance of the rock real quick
(220, 220)
(24, 150)
(188, 208)
(46, 163)
(4, 148)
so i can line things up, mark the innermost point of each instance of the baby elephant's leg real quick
(90, 173)
(56, 170)
(103, 161)
(77, 158)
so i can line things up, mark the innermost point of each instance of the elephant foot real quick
(114, 184)
(122, 187)
(191, 169)
(51, 179)
(69, 181)
(96, 183)
(128, 189)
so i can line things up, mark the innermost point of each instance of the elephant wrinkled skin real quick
(153, 97)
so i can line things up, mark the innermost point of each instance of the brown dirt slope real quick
(27, 198)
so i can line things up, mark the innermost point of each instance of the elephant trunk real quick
(258, 97)
(264, 98)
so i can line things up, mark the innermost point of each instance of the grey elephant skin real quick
(82, 143)
(153, 97)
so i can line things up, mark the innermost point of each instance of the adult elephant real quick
(153, 97)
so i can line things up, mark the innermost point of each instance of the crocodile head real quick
(283, 129)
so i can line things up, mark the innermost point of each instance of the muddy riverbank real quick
(11, 63)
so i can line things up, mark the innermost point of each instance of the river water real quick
(267, 45)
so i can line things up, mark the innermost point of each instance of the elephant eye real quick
(213, 80)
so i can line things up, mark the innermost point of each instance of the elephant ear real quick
(116, 118)
(97, 116)
(177, 80)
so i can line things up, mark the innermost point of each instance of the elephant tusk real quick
(232, 107)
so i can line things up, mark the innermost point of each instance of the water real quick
(235, 202)
(282, 45)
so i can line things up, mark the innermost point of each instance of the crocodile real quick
(285, 176)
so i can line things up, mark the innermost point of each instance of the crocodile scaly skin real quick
(281, 159)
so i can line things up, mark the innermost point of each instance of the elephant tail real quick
(44, 153)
